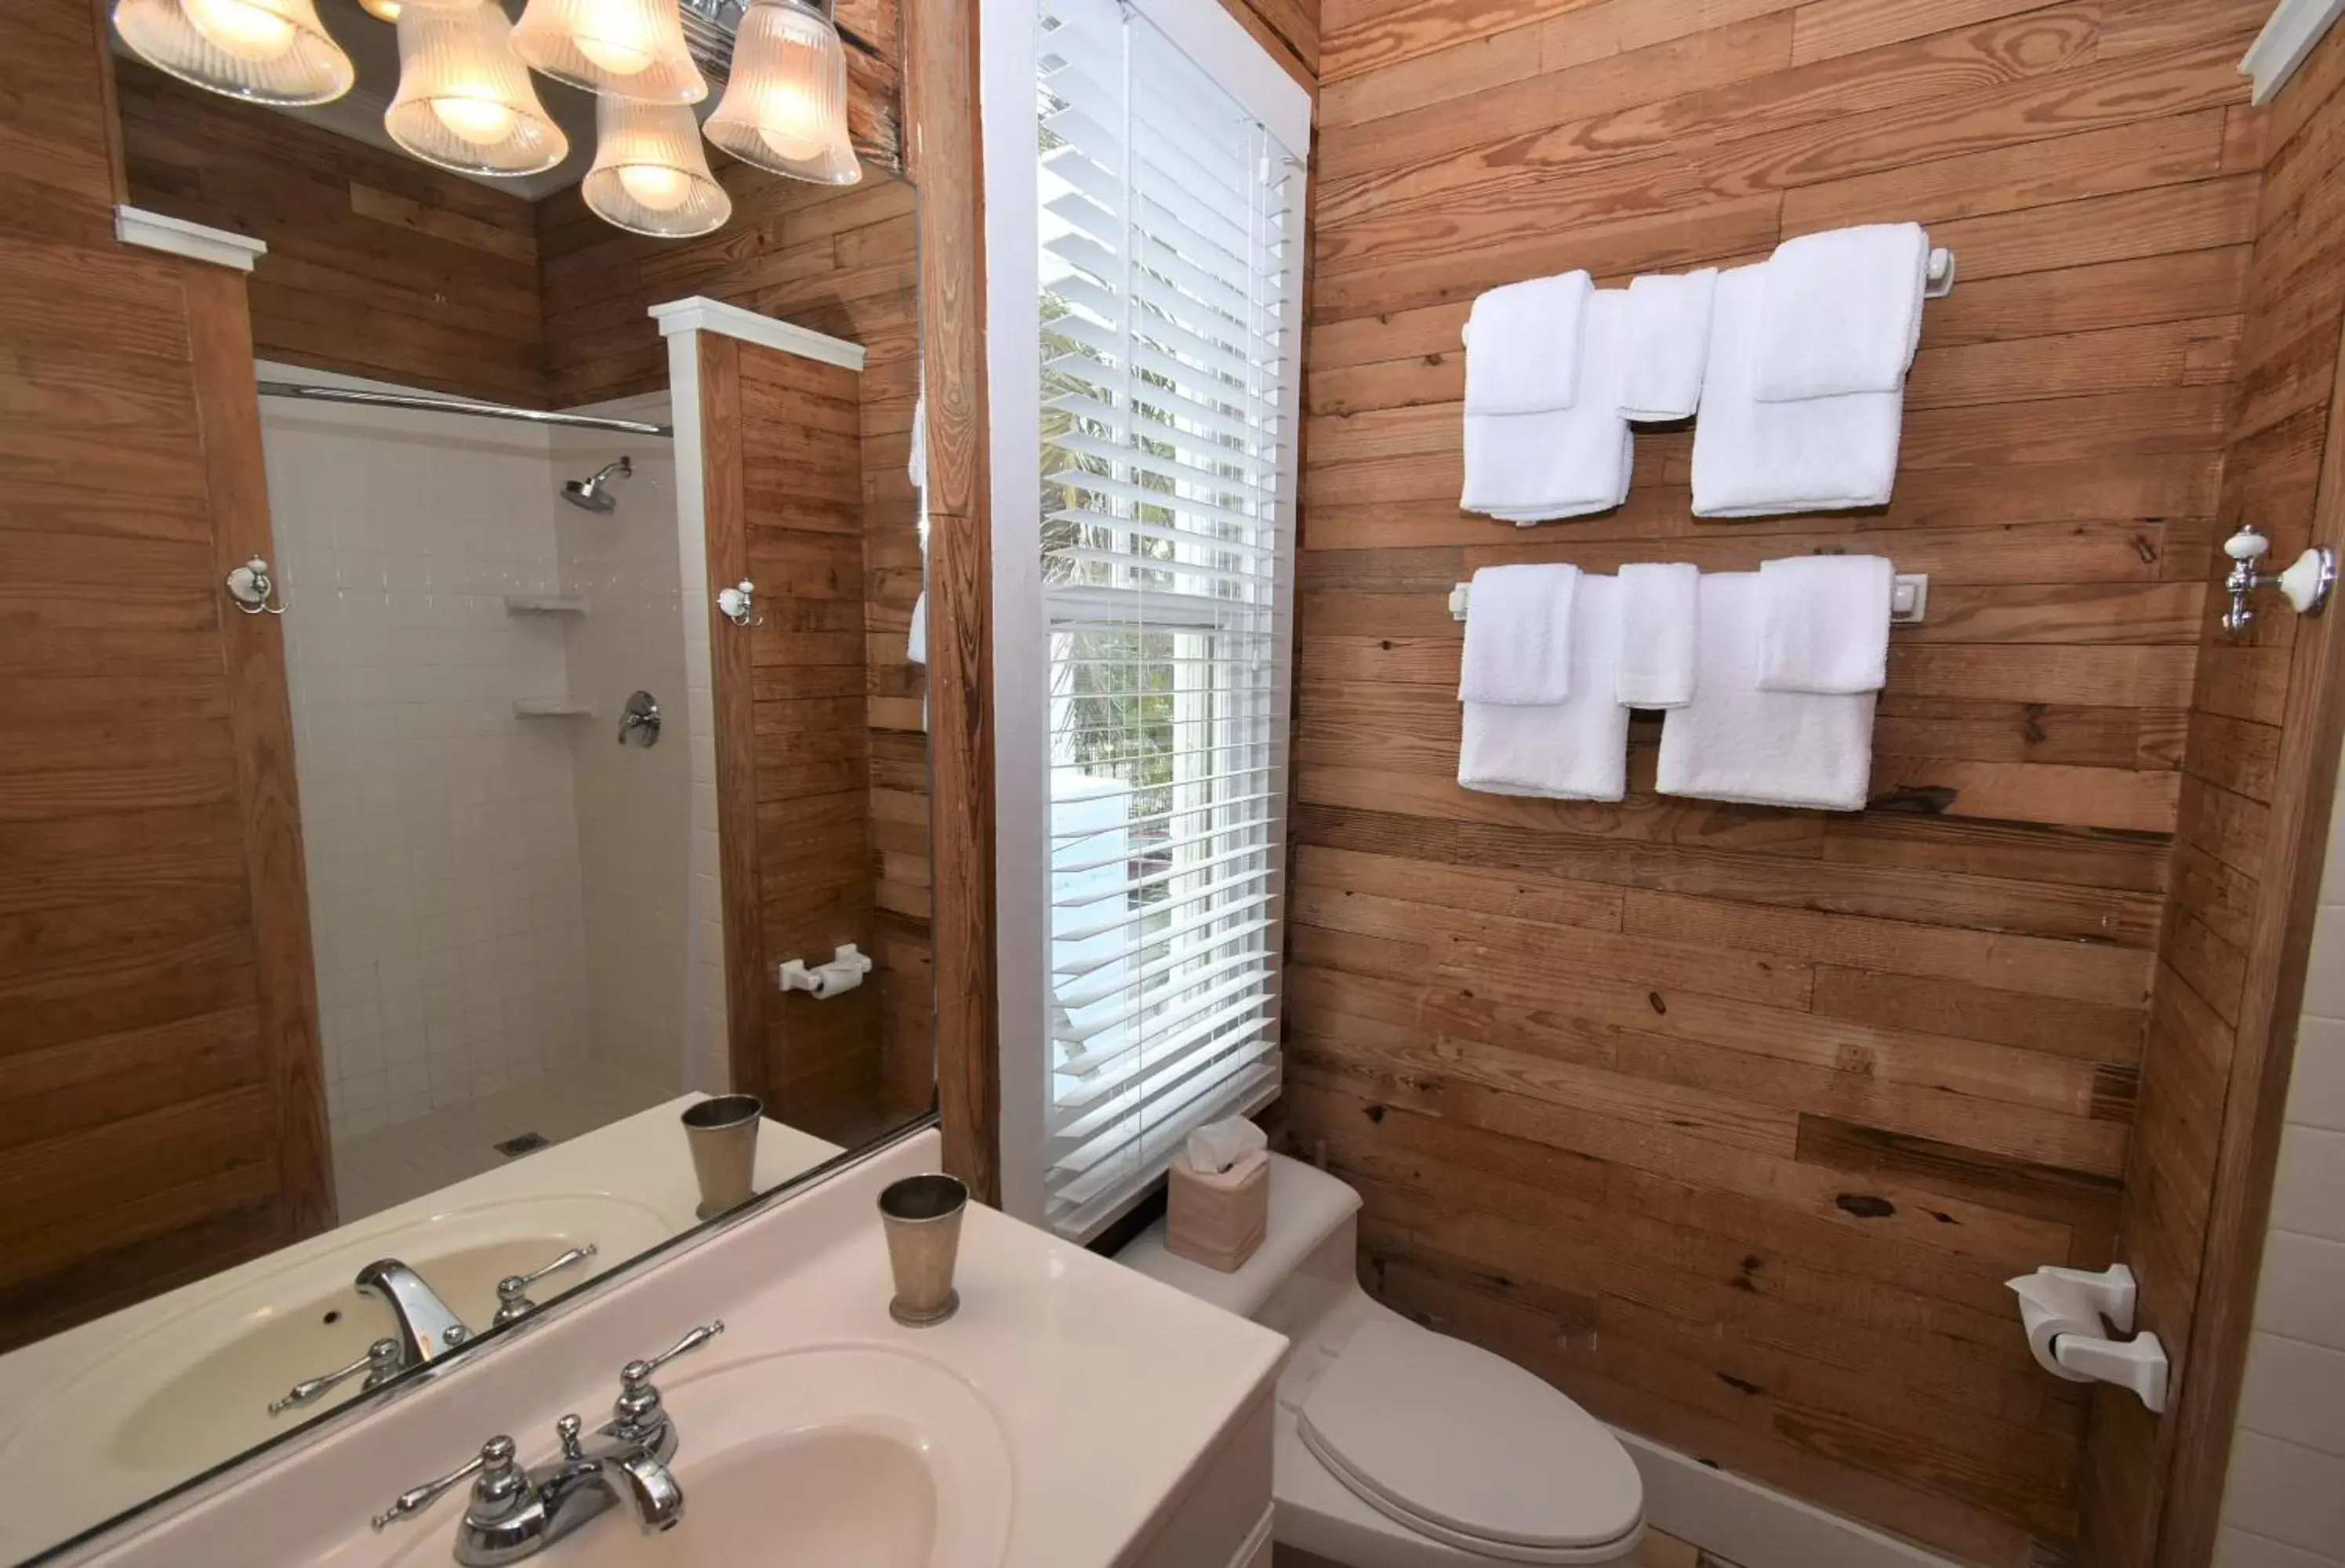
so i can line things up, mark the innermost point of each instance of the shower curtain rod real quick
(307, 393)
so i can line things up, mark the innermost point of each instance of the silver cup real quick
(723, 1133)
(921, 1215)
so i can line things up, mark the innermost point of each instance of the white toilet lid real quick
(1435, 1431)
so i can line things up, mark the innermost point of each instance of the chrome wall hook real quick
(251, 584)
(2305, 585)
(739, 605)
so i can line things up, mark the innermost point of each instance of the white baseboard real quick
(1756, 1526)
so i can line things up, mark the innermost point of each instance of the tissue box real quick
(1218, 1219)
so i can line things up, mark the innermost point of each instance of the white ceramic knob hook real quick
(2245, 545)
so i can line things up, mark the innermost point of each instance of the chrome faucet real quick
(515, 1514)
(428, 1327)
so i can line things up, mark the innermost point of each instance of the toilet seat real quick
(1469, 1449)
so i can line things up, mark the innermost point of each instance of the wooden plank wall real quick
(1732, 1121)
(158, 1057)
(839, 261)
(378, 265)
(2258, 773)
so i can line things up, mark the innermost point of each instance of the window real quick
(1164, 225)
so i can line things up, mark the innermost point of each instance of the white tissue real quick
(1217, 1146)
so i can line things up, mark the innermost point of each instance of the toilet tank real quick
(1313, 1235)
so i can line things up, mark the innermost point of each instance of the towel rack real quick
(1909, 599)
(1938, 280)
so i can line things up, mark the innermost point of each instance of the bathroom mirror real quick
(600, 727)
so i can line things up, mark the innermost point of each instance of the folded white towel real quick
(916, 648)
(1523, 345)
(1563, 462)
(1519, 636)
(1660, 615)
(1665, 343)
(1734, 741)
(1752, 459)
(1824, 623)
(1577, 749)
(1840, 312)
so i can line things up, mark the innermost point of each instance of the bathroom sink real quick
(844, 1456)
(193, 1385)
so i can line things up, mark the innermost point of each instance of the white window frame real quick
(1216, 42)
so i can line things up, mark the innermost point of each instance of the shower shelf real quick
(553, 708)
(546, 604)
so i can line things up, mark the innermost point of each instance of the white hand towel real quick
(1523, 345)
(1563, 462)
(1574, 750)
(1665, 343)
(1734, 741)
(1519, 636)
(1752, 458)
(1660, 616)
(1824, 623)
(1840, 312)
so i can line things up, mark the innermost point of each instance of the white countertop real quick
(1110, 1389)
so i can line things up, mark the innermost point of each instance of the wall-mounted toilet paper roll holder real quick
(2063, 1310)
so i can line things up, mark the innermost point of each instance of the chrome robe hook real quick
(250, 586)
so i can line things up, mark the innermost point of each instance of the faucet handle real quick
(513, 1290)
(499, 1478)
(636, 1412)
(382, 1359)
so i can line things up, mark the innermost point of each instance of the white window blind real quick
(1171, 231)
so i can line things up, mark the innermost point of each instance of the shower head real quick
(594, 493)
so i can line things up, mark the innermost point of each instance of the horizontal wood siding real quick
(1732, 1121)
(2257, 770)
(378, 265)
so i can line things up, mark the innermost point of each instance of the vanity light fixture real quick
(650, 174)
(381, 10)
(784, 103)
(464, 99)
(266, 51)
(631, 49)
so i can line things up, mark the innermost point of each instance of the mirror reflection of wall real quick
(431, 792)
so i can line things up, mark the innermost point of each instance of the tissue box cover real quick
(1218, 1219)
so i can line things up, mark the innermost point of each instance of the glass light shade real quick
(634, 48)
(270, 51)
(650, 174)
(464, 99)
(784, 103)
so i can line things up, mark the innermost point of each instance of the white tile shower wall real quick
(634, 826)
(2284, 1505)
(441, 831)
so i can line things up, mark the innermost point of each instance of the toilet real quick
(1398, 1447)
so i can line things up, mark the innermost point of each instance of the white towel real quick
(1660, 616)
(1665, 343)
(1519, 636)
(1840, 312)
(1523, 345)
(1577, 749)
(1824, 623)
(1564, 462)
(1734, 741)
(1752, 459)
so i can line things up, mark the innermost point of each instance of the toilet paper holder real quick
(843, 973)
(2069, 1313)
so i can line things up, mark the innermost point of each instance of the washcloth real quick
(1660, 616)
(1519, 636)
(1665, 343)
(1523, 345)
(1563, 462)
(1734, 741)
(1574, 750)
(1840, 312)
(1752, 459)
(1824, 623)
